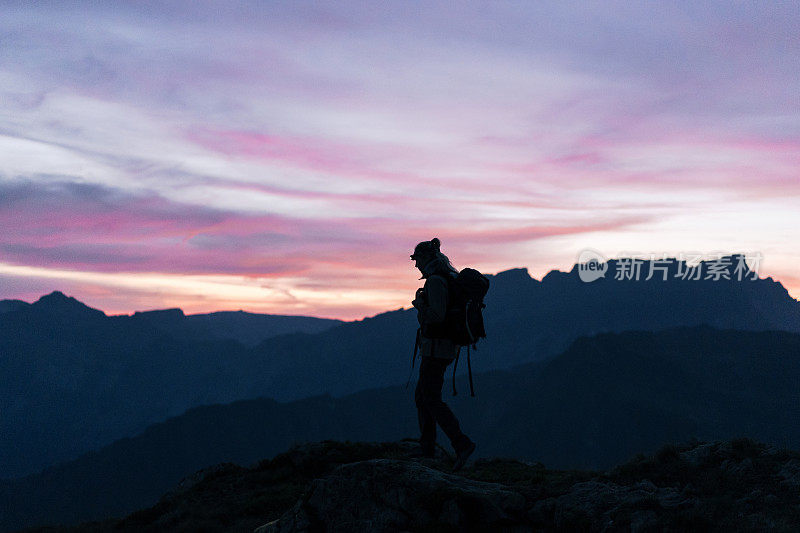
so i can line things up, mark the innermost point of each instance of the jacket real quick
(431, 310)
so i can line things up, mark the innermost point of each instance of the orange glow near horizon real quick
(124, 294)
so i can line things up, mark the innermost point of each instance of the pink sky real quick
(287, 158)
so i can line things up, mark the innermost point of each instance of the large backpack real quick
(463, 323)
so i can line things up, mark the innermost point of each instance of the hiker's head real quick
(425, 252)
(429, 259)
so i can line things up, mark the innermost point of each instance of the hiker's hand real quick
(419, 298)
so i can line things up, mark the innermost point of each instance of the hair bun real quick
(435, 243)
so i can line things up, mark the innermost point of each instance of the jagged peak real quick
(558, 274)
(59, 302)
(55, 296)
(514, 274)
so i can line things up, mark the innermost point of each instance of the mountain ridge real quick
(75, 378)
(736, 485)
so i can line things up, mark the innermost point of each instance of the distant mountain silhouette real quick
(76, 381)
(57, 305)
(603, 400)
(12, 305)
(248, 328)
(526, 320)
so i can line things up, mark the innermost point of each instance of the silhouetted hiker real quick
(436, 354)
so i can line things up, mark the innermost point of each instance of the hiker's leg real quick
(427, 424)
(440, 412)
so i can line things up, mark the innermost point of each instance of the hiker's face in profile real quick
(420, 262)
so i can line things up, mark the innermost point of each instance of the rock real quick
(644, 521)
(790, 473)
(670, 498)
(451, 514)
(592, 497)
(597, 505)
(646, 485)
(737, 467)
(392, 495)
(699, 455)
(769, 450)
(266, 527)
(744, 467)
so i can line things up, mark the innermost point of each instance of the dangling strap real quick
(414, 357)
(469, 366)
(455, 364)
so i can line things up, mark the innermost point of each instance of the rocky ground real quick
(739, 485)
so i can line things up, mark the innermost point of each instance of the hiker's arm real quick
(434, 309)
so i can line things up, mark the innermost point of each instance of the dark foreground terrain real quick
(738, 485)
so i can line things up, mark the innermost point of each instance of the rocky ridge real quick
(738, 485)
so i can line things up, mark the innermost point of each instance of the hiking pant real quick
(431, 410)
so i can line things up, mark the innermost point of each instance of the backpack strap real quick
(469, 366)
(455, 365)
(414, 357)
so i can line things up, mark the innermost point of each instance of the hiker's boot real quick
(462, 456)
